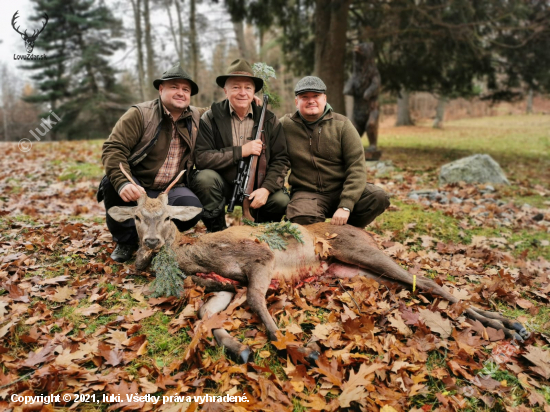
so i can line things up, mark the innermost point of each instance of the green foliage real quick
(169, 277)
(76, 79)
(275, 234)
(265, 72)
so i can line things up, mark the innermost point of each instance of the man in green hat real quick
(225, 137)
(154, 141)
(328, 175)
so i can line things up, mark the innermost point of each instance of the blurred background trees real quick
(446, 54)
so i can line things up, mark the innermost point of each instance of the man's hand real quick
(260, 197)
(258, 101)
(252, 148)
(131, 192)
(340, 217)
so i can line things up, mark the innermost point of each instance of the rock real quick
(398, 178)
(455, 199)
(413, 196)
(425, 193)
(478, 168)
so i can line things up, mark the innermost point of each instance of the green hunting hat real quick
(240, 68)
(310, 84)
(176, 72)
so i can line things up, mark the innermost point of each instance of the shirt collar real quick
(167, 113)
(249, 113)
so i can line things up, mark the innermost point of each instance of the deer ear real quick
(183, 213)
(120, 214)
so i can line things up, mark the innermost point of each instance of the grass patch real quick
(521, 144)
(445, 228)
(163, 347)
(82, 170)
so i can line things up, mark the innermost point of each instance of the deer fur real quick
(236, 255)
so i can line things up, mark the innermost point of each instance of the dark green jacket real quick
(140, 141)
(328, 158)
(214, 149)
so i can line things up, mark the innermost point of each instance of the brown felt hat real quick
(176, 72)
(240, 68)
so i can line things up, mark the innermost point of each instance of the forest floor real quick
(72, 321)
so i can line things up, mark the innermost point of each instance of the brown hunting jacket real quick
(326, 158)
(140, 141)
(215, 150)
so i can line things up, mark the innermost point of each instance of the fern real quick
(169, 277)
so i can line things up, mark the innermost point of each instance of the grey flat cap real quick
(310, 84)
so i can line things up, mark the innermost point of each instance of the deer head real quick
(29, 40)
(153, 221)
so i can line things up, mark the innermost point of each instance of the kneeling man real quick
(328, 175)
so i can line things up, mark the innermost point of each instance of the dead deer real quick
(235, 254)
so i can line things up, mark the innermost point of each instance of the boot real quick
(215, 224)
(123, 252)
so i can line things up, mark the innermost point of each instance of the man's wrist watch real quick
(346, 209)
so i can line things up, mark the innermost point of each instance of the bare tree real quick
(136, 7)
(149, 48)
(331, 24)
(193, 42)
(403, 109)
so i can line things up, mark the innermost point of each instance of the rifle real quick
(246, 173)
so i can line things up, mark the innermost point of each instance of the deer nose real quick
(151, 243)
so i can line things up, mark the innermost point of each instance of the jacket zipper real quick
(319, 181)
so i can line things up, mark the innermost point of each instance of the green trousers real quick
(215, 193)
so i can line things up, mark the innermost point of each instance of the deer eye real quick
(137, 218)
(167, 219)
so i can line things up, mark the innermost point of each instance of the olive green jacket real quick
(327, 158)
(140, 141)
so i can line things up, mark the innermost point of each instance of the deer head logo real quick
(29, 40)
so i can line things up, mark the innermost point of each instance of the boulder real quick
(479, 168)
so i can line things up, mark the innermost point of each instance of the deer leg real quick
(376, 261)
(236, 350)
(258, 284)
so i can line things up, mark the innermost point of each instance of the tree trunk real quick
(529, 109)
(136, 6)
(150, 53)
(193, 40)
(331, 24)
(180, 31)
(440, 112)
(403, 111)
(238, 25)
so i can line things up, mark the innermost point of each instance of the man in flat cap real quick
(328, 175)
(154, 141)
(225, 137)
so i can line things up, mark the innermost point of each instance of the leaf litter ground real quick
(74, 321)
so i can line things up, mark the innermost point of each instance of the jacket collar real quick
(296, 117)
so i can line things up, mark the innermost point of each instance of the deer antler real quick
(126, 173)
(15, 16)
(173, 182)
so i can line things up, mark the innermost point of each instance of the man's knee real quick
(206, 179)
(277, 202)
(379, 200)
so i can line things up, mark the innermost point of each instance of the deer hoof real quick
(244, 355)
(520, 329)
(313, 356)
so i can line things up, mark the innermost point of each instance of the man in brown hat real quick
(225, 137)
(153, 140)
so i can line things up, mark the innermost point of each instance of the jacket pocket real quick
(302, 206)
